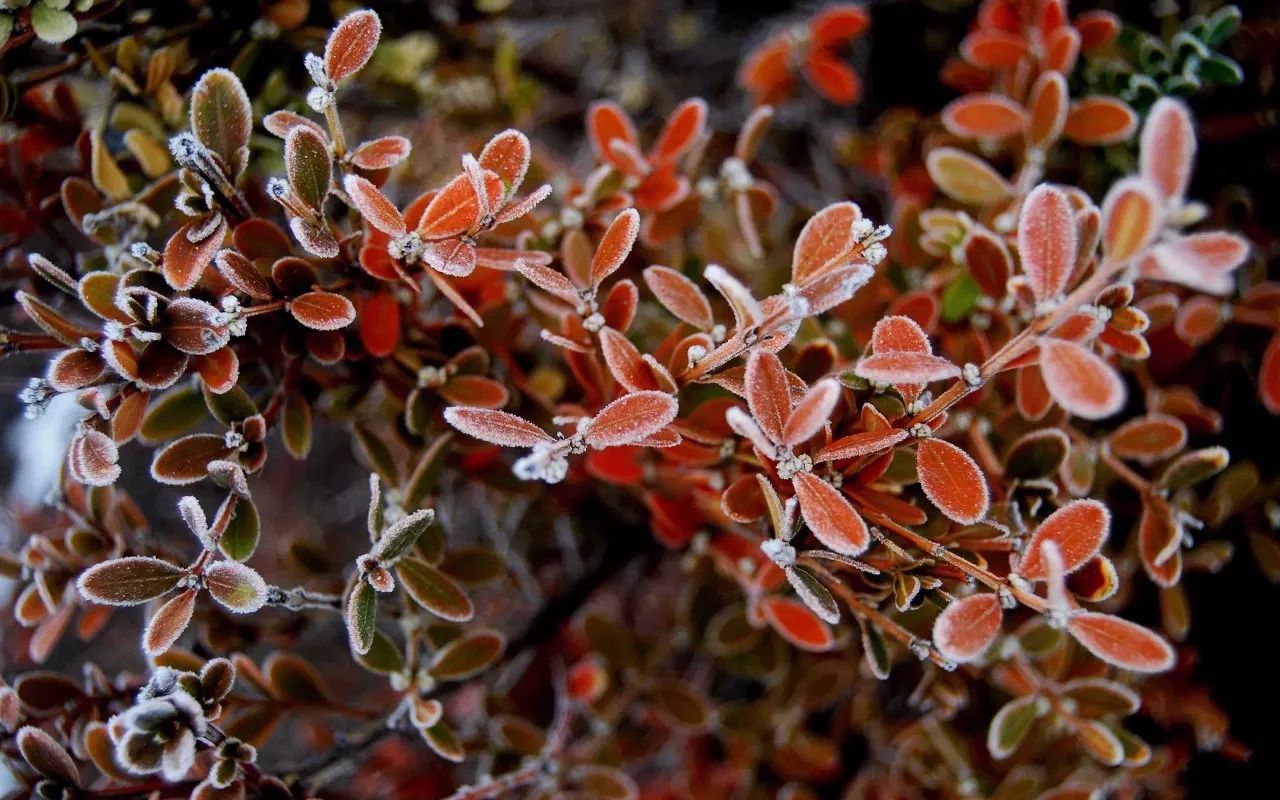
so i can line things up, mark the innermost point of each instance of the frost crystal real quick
(319, 99)
(35, 397)
(735, 174)
(779, 552)
(544, 463)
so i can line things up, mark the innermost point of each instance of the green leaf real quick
(423, 480)
(467, 656)
(231, 406)
(175, 414)
(434, 591)
(1192, 468)
(378, 455)
(1222, 26)
(307, 161)
(1010, 726)
(295, 425)
(1221, 70)
(875, 650)
(442, 742)
(1037, 455)
(240, 538)
(813, 594)
(362, 617)
(222, 118)
(52, 25)
(958, 298)
(401, 536)
(383, 657)
(236, 586)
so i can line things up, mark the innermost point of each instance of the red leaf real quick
(380, 324)
(1122, 643)
(606, 122)
(830, 516)
(507, 155)
(905, 368)
(168, 623)
(860, 444)
(952, 481)
(838, 23)
(496, 427)
(768, 397)
(683, 128)
(825, 241)
(833, 78)
(1047, 242)
(993, 49)
(1081, 382)
(382, 153)
(1269, 377)
(615, 245)
(322, 311)
(476, 391)
(794, 621)
(630, 419)
(984, 116)
(812, 412)
(1078, 529)
(1202, 261)
(184, 261)
(351, 44)
(967, 627)
(1168, 147)
(680, 296)
(373, 205)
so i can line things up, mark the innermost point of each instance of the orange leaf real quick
(860, 444)
(1269, 377)
(507, 156)
(812, 412)
(825, 241)
(1079, 381)
(984, 116)
(830, 516)
(993, 49)
(351, 44)
(1149, 439)
(794, 621)
(184, 261)
(838, 23)
(905, 368)
(1077, 528)
(966, 177)
(767, 394)
(380, 324)
(952, 481)
(1122, 643)
(322, 311)
(1131, 218)
(1100, 120)
(967, 627)
(683, 128)
(1047, 242)
(1168, 147)
(607, 121)
(680, 296)
(834, 79)
(615, 245)
(373, 205)
(631, 418)
(1048, 104)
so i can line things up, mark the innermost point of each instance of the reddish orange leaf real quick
(351, 44)
(830, 516)
(1269, 377)
(615, 245)
(967, 627)
(952, 481)
(993, 49)
(812, 412)
(1047, 242)
(373, 205)
(767, 393)
(860, 444)
(1149, 439)
(496, 427)
(1078, 529)
(900, 368)
(1131, 218)
(1100, 120)
(984, 116)
(631, 418)
(834, 79)
(838, 23)
(1168, 147)
(607, 122)
(1079, 381)
(1122, 643)
(1048, 104)
(794, 621)
(825, 241)
(322, 311)
(683, 128)
(680, 296)
(380, 324)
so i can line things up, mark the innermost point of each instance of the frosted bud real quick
(319, 99)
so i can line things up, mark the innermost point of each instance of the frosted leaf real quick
(630, 419)
(952, 481)
(826, 239)
(193, 515)
(236, 586)
(1122, 643)
(1079, 381)
(746, 427)
(746, 310)
(351, 44)
(904, 367)
(768, 393)
(812, 412)
(1077, 529)
(373, 205)
(1168, 147)
(830, 516)
(615, 245)
(1047, 242)
(680, 296)
(496, 427)
(967, 627)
